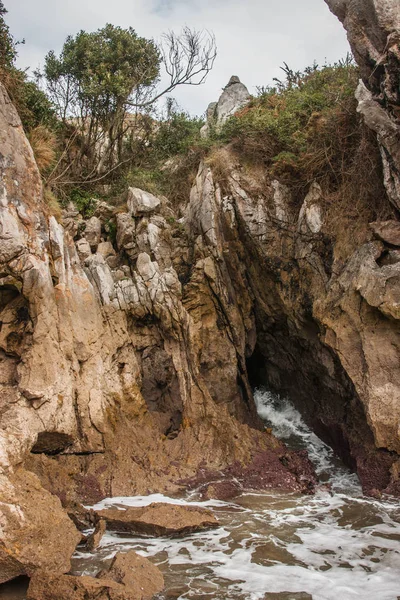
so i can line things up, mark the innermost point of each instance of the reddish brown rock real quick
(46, 586)
(130, 577)
(143, 579)
(35, 531)
(94, 539)
(159, 519)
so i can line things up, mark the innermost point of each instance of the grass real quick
(44, 146)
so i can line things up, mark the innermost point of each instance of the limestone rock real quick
(159, 519)
(310, 217)
(141, 202)
(83, 249)
(93, 232)
(234, 97)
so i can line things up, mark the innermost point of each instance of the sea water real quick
(335, 545)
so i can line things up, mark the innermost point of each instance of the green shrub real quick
(84, 201)
(277, 123)
(176, 134)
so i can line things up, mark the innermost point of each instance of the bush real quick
(176, 134)
(277, 128)
(84, 202)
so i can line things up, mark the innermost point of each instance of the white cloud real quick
(253, 37)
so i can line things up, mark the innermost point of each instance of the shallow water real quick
(336, 544)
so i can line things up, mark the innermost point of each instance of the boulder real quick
(48, 586)
(130, 577)
(141, 203)
(35, 531)
(107, 251)
(93, 232)
(94, 539)
(159, 519)
(143, 579)
(387, 231)
(233, 98)
(83, 249)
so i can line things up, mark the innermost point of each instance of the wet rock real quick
(141, 202)
(47, 586)
(139, 575)
(94, 539)
(159, 519)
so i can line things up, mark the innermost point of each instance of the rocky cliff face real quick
(123, 367)
(127, 362)
(373, 29)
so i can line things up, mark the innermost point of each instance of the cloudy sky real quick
(254, 37)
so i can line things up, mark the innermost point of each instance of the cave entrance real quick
(309, 375)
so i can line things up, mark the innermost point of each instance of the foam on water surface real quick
(335, 544)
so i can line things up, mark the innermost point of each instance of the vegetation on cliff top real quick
(97, 129)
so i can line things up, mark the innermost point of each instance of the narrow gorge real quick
(132, 341)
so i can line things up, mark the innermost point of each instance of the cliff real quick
(127, 362)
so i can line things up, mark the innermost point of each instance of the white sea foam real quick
(335, 544)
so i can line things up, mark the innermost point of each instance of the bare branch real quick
(187, 59)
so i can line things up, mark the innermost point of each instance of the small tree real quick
(99, 77)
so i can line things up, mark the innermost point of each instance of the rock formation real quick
(122, 368)
(129, 577)
(373, 29)
(159, 519)
(234, 96)
(127, 361)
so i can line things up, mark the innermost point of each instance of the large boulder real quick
(159, 519)
(48, 586)
(141, 203)
(130, 577)
(138, 574)
(35, 531)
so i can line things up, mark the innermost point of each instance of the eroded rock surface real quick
(127, 356)
(136, 573)
(129, 577)
(159, 519)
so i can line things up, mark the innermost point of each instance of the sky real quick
(254, 37)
